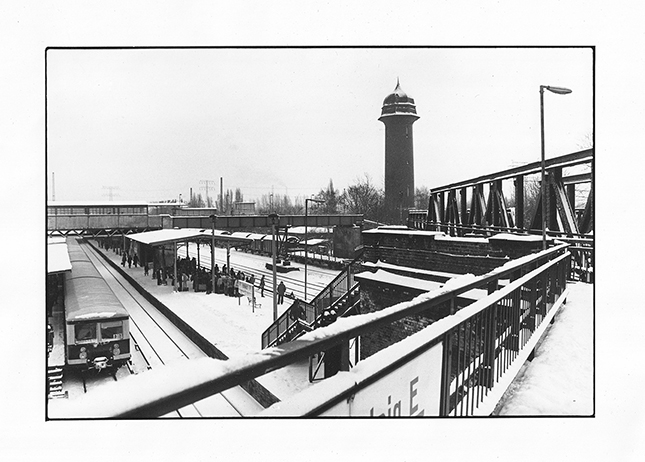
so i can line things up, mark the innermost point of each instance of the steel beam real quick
(568, 160)
(263, 221)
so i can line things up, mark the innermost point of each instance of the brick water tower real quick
(398, 115)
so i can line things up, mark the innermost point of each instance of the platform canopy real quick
(169, 236)
(57, 256)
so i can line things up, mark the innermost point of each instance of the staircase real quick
(341, 295)
(55, 383)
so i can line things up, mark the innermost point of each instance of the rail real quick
(481, 348)
(282, 328)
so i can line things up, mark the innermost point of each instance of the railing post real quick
(516, 315)
(488, 364)
(446, 368)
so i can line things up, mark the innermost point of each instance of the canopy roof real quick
(57, 256)
(168, 236)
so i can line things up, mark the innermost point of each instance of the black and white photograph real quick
(245, 234)
(314, 231)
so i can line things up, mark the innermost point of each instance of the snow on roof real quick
(96, 203)
(408, 269)
(516, 237)
(311, 229)
(310, 242)
(164, 236)
(445, 237)
(57, 256)
(402, 231)
(386, 277)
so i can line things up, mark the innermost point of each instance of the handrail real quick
(214, 377)
(317, 303)
(492, 228)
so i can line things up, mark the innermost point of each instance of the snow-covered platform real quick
(543, 387)
(231, 324)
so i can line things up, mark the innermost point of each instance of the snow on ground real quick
(559, 380)
(230, 323)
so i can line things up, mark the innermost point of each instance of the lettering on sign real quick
(412, 401)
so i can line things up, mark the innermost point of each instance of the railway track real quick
(294, 284)
(158, 342)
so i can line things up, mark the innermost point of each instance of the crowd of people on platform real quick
(190, 275)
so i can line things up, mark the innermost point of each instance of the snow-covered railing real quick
(311, 311)
(459, 365)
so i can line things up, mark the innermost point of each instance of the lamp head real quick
(558, 90)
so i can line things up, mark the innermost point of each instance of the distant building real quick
(398, 114)
(244, 208)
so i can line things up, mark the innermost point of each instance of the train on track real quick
(97, 334)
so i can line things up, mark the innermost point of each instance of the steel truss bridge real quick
(462, 208)
(450, 210)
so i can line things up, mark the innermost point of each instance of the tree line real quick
(360, 197)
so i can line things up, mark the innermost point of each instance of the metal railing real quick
(582, 246)
(311, 311)
(482, 345)
(479, 350)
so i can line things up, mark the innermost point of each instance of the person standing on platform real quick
(145, 269)
(129, 261)
(123, 260)
(135, 260)
(281, 290)
(262, 286)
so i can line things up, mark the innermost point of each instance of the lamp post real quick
(558, 91)
(317, 201)
(213, 218)
(275, 220)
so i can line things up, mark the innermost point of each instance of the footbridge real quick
(107, 219)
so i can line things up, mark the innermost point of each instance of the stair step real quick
(53, 383)
(55, 377)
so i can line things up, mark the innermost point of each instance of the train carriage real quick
(96, 323)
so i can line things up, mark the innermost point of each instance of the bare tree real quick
(422, 198)
(331, 200)
(363, 197)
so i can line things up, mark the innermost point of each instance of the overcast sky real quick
(152, 123)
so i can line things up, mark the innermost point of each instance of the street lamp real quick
(558, 91)
(213, 218)
(275, 220)
(317, 201)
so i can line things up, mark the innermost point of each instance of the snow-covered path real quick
(560, 379)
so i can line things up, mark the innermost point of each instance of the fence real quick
(288, 325)
(472, 355)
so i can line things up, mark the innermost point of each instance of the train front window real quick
(85, 333)
(111, 330)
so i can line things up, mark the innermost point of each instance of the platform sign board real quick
(410, 390)
(247, 290)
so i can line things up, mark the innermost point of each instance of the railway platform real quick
(231, 324)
